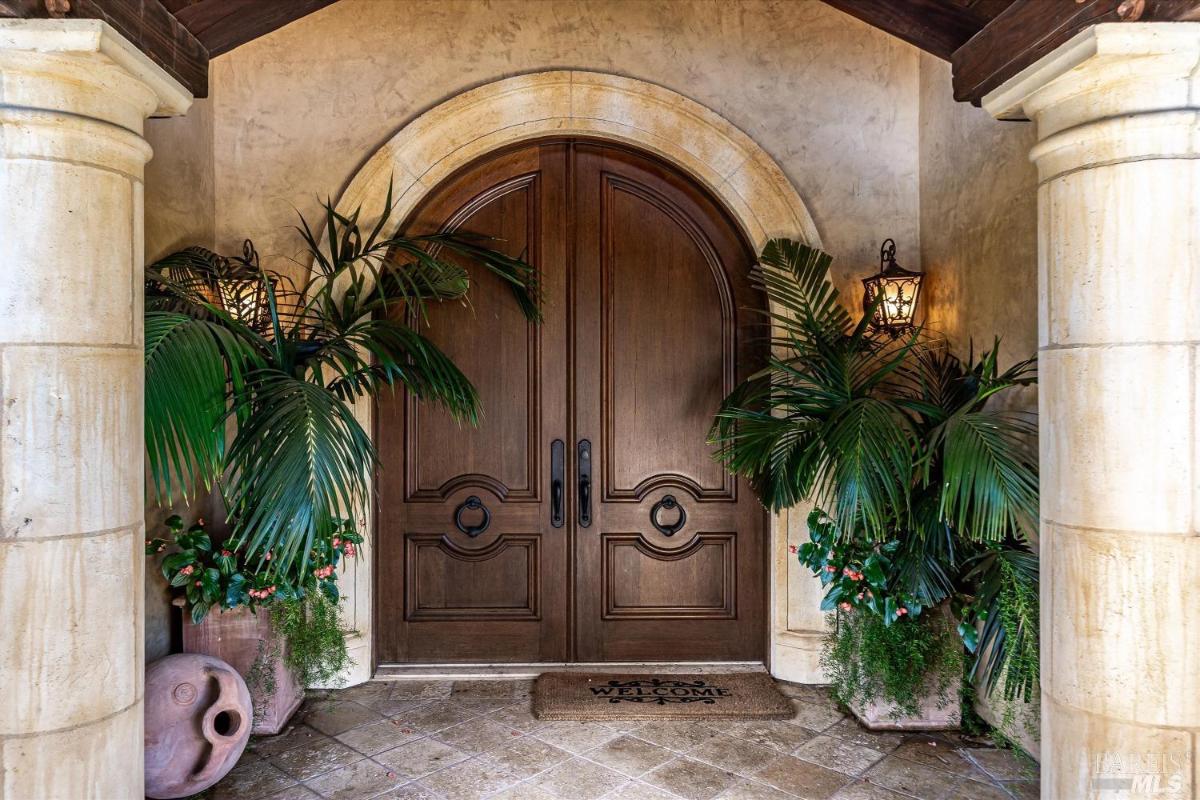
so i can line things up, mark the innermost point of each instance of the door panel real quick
(646, 286)
(661, 284)
(445, 595)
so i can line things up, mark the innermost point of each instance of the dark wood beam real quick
(1029, 29)
(146, 23)
(222, 25)
(936, 26)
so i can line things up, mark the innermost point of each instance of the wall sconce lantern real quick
(241, 289)
(900, 289)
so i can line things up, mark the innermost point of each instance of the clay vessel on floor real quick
(198, 718)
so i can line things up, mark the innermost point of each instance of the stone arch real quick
(719, 156)
(731, 165)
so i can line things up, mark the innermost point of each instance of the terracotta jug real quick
(198, 718)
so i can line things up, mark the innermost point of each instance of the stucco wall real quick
(833, 100)
(180, 211)
(979, 253)
(978, 224)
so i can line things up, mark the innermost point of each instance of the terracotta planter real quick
(936, 711)
(238, 637)
(198, 716)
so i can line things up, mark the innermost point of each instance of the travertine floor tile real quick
(739, 756)
(574, 737)
(310, 760)
(1003, 765)
(690, 779)
(361, 780)
(815, 716)
(528, 756)
(579, 779)
(920, 781)
(838, 755)
(802, 778)
(630, 756)
(378, 736)
(473, 739)
(331, 716)
(478, 735)
(252, 779)
(753, 790)
(471, 780)
(419, 758)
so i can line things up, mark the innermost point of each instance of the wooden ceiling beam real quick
(146, 23)
(1029, 29)
(936, 26)
(222, 25)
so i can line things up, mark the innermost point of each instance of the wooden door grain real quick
(646, 329)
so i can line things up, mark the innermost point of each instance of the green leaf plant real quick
(926, 491)
(251, 396)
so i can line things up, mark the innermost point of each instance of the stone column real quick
(1118, 154)
(73, 97)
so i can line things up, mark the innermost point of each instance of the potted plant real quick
(248, 378)
(278, 627)
(926, 496)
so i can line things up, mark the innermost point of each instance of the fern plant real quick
(927, 492)
(232, 345)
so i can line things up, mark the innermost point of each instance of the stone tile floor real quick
(460, 740)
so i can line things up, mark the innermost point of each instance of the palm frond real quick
(190, 364)
(300, 462)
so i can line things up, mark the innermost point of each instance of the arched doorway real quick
(584, 519)
(696, 140)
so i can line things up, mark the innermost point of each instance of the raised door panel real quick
(501, 454)
(451, 593)
(662, 333)
(667, 338)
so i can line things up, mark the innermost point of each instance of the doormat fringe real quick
(597, 696)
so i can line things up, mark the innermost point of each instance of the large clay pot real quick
(198, 716)
(239, 636)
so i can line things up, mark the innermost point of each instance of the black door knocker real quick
(472, 503)
(668, 503)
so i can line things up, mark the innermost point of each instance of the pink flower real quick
(188, 570)
(350, 551)
(901, 611)
(226, 553)
(791, 548)
(845, 606)
(267, 556)
(847, 572)
(197, 583)
(336, 541)
(830, 568)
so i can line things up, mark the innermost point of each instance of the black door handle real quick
(585, 483)
(557, 464)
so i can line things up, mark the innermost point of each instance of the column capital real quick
(1114, 92)
(77, 66)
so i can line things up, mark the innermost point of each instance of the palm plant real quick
(229, 344)
(932, 490)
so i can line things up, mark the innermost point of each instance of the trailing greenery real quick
(926, 491)
(230, 342)
(901, 663)
(316, 638)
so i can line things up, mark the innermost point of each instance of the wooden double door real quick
(584, 519)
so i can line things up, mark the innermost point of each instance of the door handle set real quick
(583, 453)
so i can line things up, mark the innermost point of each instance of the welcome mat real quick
(586, 696)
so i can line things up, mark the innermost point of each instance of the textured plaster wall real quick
(978, 224)
(180, 211)
(979, 252)
(831, 99)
